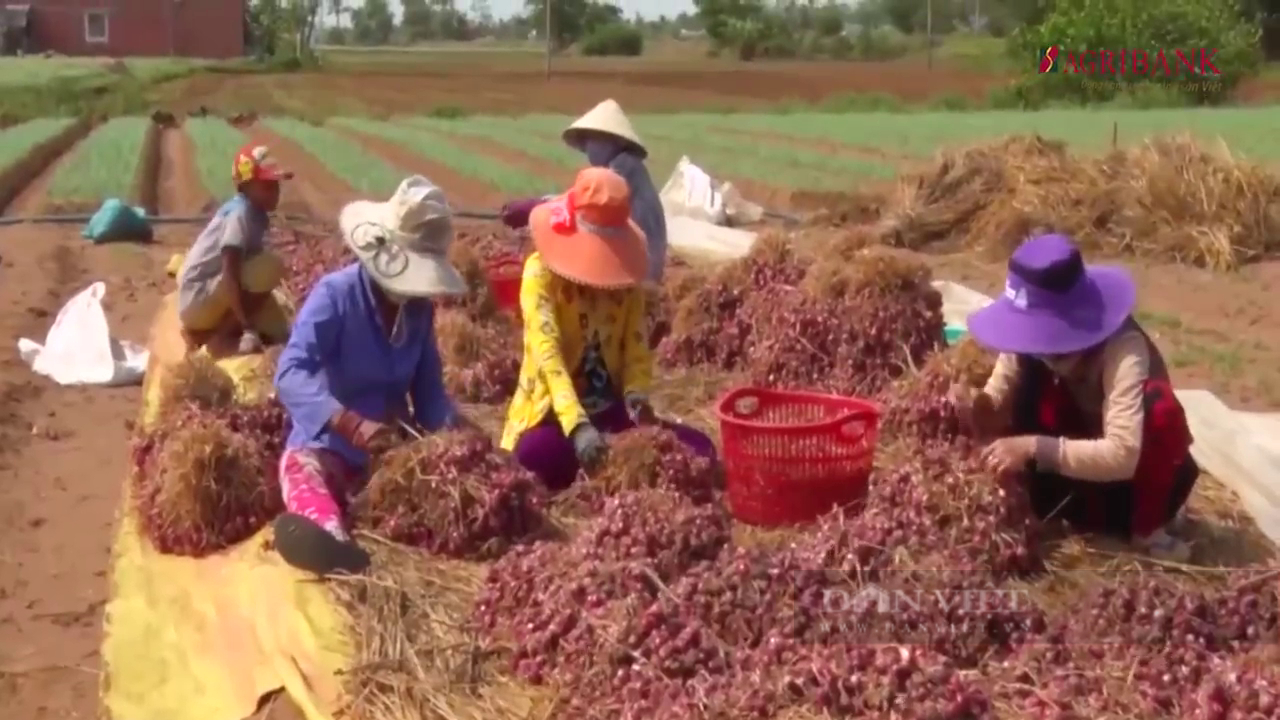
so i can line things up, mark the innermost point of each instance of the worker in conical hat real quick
(606, 137)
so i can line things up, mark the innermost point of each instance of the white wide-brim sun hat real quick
(403, 243)
(607, 117)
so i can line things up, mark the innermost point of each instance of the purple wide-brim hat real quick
(1053, 304)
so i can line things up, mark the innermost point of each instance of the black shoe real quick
(305, 545)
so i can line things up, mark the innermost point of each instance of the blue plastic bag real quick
(116, 220)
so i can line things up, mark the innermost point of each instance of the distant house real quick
(130, 28)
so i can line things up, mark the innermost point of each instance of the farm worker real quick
(606, 137)
(1081, 398)
(363, 341)
(587, 365)
(228, 274)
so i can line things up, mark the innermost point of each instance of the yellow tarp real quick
(205, 639)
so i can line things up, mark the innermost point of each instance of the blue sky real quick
(648, 8)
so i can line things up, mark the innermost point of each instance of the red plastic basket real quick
(504, 281)
(792, 456)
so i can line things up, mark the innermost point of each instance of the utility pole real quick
(547, 31)
(928, 32)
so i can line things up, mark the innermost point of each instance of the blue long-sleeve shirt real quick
(339, 356)
(646, 208)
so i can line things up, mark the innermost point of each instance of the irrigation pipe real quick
(201, 219)
(180, 219)
(784, 217)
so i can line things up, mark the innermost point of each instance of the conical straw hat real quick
(607, 117)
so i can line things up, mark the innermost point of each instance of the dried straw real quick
(470, 262)
(1167, 199)
(416, 658)
(203, 489)
(198, 381)
(459, 338)
(689, 396)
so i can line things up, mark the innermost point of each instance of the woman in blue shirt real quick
(362, 344)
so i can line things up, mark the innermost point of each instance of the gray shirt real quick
(237, 224)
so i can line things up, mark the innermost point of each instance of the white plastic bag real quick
(79, 349)
(690, 192)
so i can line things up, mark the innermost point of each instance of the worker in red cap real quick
(228, 274)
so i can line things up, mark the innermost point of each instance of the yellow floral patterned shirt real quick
(584, 349)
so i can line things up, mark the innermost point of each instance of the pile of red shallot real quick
(205, 478)
(845, 328)
(918, 405)
(309, 251)
(451, 493)
(480, 342)
(937, 599)
(658, 606)
(653, 457)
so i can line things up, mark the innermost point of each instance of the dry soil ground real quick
(63, 451)
(63, 455)
(520, 86)
(575, 84)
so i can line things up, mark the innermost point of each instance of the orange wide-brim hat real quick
(587, 236)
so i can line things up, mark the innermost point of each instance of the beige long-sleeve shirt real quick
(1109, 383)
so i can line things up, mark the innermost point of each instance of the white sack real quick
(690, 192)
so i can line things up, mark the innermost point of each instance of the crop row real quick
(460, 147)
(343, 156)
(103, 165)
(798, 151)
(1248, 131)
(774, 140)
(17, 141)
(34, 70)
(439, 148)
(215, 144)
(803, 150)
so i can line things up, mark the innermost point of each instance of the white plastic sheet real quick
(1228, 448)
(698, 237)
(79, 349)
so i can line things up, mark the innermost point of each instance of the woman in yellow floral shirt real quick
(587, 364)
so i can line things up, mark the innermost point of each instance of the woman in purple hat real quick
(1080, 399)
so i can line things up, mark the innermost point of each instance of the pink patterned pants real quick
(318, 485)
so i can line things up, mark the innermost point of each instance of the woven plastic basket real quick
(789, 456)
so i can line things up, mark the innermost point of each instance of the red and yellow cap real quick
(254, 162)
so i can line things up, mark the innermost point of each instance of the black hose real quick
(200, 219)
(179, 219)
(784, 217)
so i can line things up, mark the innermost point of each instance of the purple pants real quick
(545, 451)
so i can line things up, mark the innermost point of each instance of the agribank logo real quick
(1130, 64)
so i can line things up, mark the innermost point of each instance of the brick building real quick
(127, 28)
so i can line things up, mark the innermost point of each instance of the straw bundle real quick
(203, 484)
(196, 381)
(417, 659)
(1168, 199)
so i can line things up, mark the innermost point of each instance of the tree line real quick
(1242, 31)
